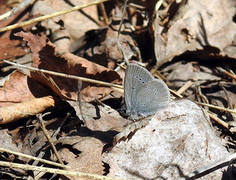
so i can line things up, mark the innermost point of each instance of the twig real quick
(56, 171)
(219, 121)
(202, 95)
(16, 9)
(216, 107)
(175, 93)
(34, 158)
(160, 76)
(103, 12)
(185, 87)
(48, 137)
(210, 168)
(66, 75)
(118, 35)
(62, 123)
(48, 16)
(226, 72)
(227, 96)
(122, 18)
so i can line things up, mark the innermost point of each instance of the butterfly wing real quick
(135, 78)
(153, 97)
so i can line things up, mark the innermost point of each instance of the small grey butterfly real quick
(144, 95)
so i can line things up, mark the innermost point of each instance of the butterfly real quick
(144, 95)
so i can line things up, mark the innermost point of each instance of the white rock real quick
(177, 140)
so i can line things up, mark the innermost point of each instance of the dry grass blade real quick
(66, 75)
(16, 9)
(217, 107)
(34, 158)
(185, 87)
(75, 8)
(218, 120)
(226, 72)
(56, 171)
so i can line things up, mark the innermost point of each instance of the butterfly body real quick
(144, 95)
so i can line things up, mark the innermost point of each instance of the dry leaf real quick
(84, 154)
(101, 45)
(46, 57)
(97, 117)
(6, 141)
(21, 88)
(196, 26)
(25, 109)
(75, 23)
(10, 45)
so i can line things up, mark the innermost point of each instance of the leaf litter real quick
(185, 40)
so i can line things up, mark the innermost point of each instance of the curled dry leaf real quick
(22, 97)
(46, 56)
(27, 108)
(19, 87)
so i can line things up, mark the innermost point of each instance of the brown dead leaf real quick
(84, 155)
(21, 88)
(25, 109)
(46, 56)
(196, 25)
(97, 117)
(75, 23)
(10, 45)
(30, 138)
(22, 97)
(101, 46)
